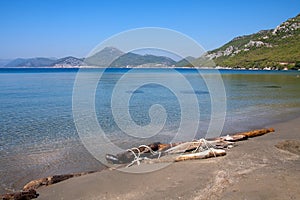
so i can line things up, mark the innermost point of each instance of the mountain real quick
(68, 62)
(113, 57)
(104, 57)
(186, 62)
(46, 62)
(107, 57)
(4, 62)
(277, 48)
(31, 62)
(134, 60)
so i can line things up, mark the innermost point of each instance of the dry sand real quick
(255, 169)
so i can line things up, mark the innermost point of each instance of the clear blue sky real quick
(57, 28)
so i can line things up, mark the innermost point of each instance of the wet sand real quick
(255, 169)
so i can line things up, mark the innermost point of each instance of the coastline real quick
(167, 67)
(255, 169)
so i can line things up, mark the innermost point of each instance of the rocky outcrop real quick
(257, 44)
(287, 27)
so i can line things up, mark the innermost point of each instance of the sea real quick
(45, 114)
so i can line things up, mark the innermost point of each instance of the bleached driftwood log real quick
(201, 155)
(234, 138)
(217, 143)
(184, 147)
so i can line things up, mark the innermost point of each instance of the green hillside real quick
(133, 60)
(276, 48)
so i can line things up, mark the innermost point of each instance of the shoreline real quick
(170, 67)
(228, 177)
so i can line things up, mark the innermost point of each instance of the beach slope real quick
(266, 167)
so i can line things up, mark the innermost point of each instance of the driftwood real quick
(29, 190)
(234, 138)
(127, 157)
(201, 155)
(244, 135)
(175, 148)
(218, 143)
(51, 180)
(143, 150)
(256, 133)
(183, 147)
(164, 147)
(23, 195)
(221, 144)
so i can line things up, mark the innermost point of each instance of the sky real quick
(58, 28)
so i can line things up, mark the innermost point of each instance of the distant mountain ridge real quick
(30, 62)
(44, 62)
(107, 57)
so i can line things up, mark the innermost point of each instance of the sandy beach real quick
(255, 169)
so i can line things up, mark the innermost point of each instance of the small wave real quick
(198, 92)
(272, 86)
(135, 92)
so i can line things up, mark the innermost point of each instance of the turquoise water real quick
(38, 136)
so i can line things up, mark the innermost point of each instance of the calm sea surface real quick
(38, 136)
